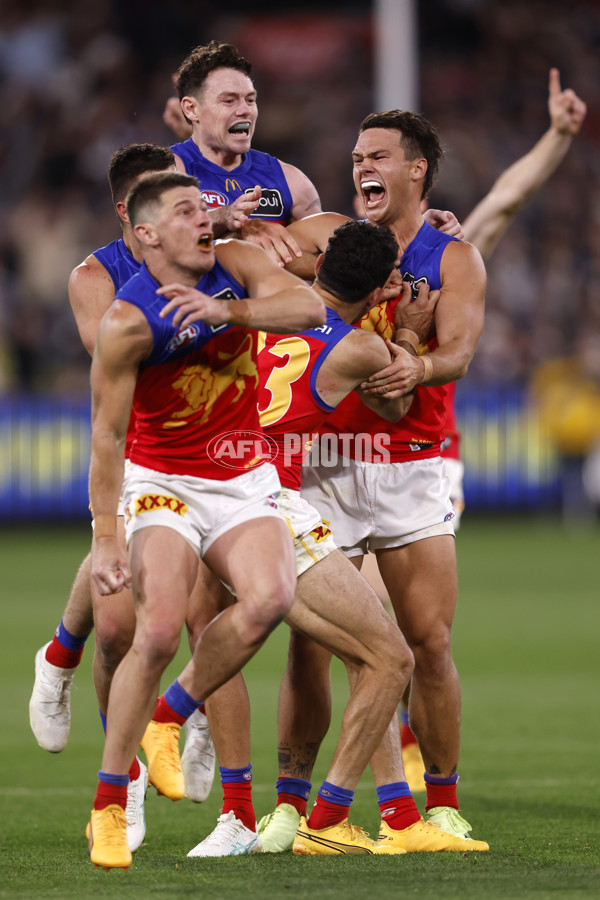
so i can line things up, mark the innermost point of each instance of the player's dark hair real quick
(150, 189)
(359, 258)
(418, 138)
(129, 162)
(203, 60)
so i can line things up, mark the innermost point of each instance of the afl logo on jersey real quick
(270, 205)
(214, 199)
(184, 336)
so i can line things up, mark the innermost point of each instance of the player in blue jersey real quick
(92, 287)
(185, 384)
(395, 161)
(218, 98)
(303, 377)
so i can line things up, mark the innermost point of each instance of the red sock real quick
(400, 813)
(134, 769)
(237, 796)
(107, 794)
(294, 800)
(60, 656)
(202, 708)
(324, 814)
(407, 736)
(164, 713)
(441, 795)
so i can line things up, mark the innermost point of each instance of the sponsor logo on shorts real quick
(242, 449)
(270, 205)
(152, 502)
(214, 199)
(320, 533)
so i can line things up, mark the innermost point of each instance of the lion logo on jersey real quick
(202, 386)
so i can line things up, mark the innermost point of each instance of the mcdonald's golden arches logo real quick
(233, 183)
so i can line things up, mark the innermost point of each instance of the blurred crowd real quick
(79, 81)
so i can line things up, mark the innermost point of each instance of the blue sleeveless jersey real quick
(118, 262)
(220, 187)
(198, 384)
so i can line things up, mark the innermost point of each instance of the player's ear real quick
(189, 107)
(318, 263)
(121, 209)
(375, 297)
(418, 168)
(146, 234)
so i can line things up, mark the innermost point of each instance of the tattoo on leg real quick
(297, 761)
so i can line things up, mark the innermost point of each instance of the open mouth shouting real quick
(373, 193)
(205, 241)
(241, 128)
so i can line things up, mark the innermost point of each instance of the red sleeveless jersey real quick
(417, 435)
(289, 406)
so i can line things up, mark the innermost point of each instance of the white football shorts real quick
(199, 509)
(376, 506)
(312, 538)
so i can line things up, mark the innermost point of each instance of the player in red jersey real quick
(395, 160)
(303, 377)
(92, 287)
(185, 384)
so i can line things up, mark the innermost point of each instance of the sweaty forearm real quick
(285, 312)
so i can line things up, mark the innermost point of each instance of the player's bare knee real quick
(114, 635)
(157, 642)
(264, 611)
(433, 658)
(396, 659)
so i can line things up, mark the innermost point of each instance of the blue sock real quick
(300, 787)
(67, 640)
(334, 794)
(107, 778)
(103, 720)
(390, 791)
(180, 701)
(234, 775)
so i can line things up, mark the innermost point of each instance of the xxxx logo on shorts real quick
(150, 502)
(320, 533)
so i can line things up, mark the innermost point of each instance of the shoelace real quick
(110, 827)
(228, 828)
(168, 739)
(58, 686)
(357, 833)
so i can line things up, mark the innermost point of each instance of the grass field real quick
(526, 644)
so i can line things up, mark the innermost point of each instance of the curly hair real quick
(359, 258)
(203, 60)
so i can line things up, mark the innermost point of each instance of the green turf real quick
(526, 644)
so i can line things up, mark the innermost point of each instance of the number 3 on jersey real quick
(285, 361)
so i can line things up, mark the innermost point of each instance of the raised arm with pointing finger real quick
(486, 224)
